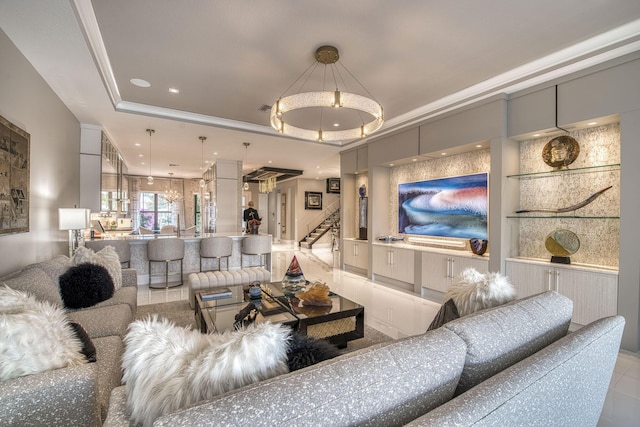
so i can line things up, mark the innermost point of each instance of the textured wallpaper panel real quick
(599, 238)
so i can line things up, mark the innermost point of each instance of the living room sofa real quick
(78, 395)
(515, 364)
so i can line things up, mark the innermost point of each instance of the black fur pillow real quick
(85, 285)
(305, 351)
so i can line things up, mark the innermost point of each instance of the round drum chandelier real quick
(369, 110)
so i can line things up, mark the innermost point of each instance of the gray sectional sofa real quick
(511, 365)
(79, 395)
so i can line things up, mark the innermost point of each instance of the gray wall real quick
(29, 103)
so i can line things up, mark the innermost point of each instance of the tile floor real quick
(398, 314)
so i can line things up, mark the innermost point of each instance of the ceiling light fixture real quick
(172, 195)
(245, 186)
(150, 178)
(202, 182)
(369, 110)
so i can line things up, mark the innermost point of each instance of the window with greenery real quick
(198, 212)
(155, 211)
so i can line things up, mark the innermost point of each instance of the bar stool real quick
(216, 247)
(144, 230)
(165, 250)
(256, 245)
(121, 246)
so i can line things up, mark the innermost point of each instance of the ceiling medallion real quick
(328, 55)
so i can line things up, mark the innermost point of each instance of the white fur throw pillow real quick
(476, 291)
(106, 257)
(168, 367)
(35, 336)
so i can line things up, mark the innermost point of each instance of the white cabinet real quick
(440, 270)
(594, 292)
(356, 253)
(395, 263)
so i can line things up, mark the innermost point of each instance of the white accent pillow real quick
(35, 336)
(476, 291)
(166, 367)
(106, 257)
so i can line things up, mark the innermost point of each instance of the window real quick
(155, 211)
(198, 212)
(108, 201)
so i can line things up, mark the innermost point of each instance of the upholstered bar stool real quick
(121, 246)
(165, 250)
(144, 230)
(256, 245)
(216, 247)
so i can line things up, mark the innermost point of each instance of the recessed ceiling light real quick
(336, 125)
(592, 123)
(443, 154)
(142, 163)
(140, 155)
(140, 82)
(174, 90)
(390, 164)
(137, 144)
(479, 146)
(414, 160)
(215, 153)
(269, 162)
(536, 134)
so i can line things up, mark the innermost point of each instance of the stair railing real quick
(322, 216)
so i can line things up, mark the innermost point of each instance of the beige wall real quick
(28, 102)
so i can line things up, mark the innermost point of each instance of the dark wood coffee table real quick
(340, 323)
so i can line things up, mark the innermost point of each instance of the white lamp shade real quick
(73, 218)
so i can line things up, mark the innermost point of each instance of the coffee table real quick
(340, 323)
(219, 315)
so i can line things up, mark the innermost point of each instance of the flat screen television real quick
(446, 207)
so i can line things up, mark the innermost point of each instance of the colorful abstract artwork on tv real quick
(446, 207)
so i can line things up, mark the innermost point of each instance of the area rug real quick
(182, 315)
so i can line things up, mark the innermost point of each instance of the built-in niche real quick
(597, 225)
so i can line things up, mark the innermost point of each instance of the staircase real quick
(330, 223)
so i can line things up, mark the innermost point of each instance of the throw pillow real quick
(304, 351)
(88, 348)
(447, 313)
(476, 291)
(85, 285)
(106, 257)
(166, 367)
(35, 336)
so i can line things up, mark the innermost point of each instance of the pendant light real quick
(150, 178)
(245, 186)
(202, 182)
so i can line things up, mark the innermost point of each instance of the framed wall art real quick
(445, 207)
(14, 178)
(312, 200)
(333, 185)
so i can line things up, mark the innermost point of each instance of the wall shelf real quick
(562, 172)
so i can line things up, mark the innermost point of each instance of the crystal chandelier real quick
(150, 178)
(369, 110)
(268, 185)
(172, 195)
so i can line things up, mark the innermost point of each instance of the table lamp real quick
(76, 220)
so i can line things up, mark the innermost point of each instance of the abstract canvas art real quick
(446, 207)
